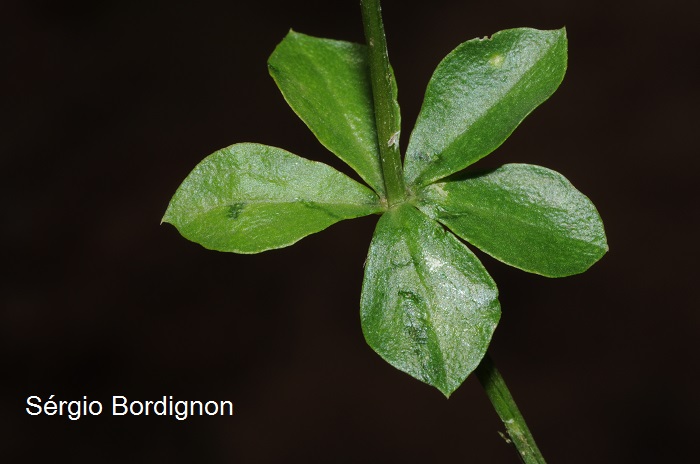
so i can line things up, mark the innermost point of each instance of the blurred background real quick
(107, 106)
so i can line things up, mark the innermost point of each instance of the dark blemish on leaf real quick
(411, 304)
(234, 210)
(417, 328)
(318, 207)
(400, 263)
(410, 296)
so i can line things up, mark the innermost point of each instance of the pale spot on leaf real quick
(496, 61)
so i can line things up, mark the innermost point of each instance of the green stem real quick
(507, 410)
(386, 111)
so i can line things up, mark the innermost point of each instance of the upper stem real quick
(386, 111)
(508, 411)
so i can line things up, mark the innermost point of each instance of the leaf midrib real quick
(420, 181)
(477, 211)
(338, 109)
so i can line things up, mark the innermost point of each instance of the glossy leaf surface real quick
(478, 95)
(527, 216)
(428, 306)
(249, 198)
(326, 82)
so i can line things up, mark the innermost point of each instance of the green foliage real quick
(478, 95)
(249, 198)
(428, 305)
(527, 216)
(327, 84)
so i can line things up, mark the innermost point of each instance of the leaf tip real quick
(166, 217)
(447, 392)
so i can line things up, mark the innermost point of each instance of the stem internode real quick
(386, 110)
(508, 411)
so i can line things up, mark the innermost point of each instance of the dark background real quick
(108, 105)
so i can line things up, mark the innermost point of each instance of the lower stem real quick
(508, 411)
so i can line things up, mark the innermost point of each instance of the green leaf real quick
(428, 306)
(327, 83)
(527, 216)
(249, 198)
(478, 95)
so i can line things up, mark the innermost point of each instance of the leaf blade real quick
(526, 216)
(428, 306)
(326, 82)
(478, 95)
(249, 198)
